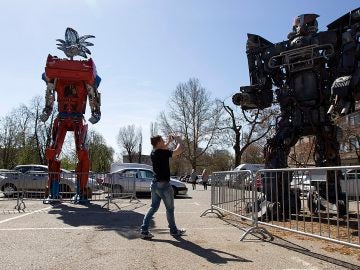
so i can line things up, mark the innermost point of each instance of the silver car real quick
(351, 183)
(33, 178)
(139, 180)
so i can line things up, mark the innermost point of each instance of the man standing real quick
(160, 187)
(193, 178)
(204, 178)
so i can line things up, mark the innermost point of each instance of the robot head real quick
(73, 44)
(304, 25)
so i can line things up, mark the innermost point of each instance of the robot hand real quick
(253, 97)
(44, 115)
(341, 91)
(95, 117)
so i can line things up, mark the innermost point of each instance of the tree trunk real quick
(237, 149)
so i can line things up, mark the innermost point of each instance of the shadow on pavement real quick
(293, 247)
(211, 255)
(148, 196)
(297, 248)
(126, 222)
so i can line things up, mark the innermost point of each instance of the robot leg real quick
(280, 201)
(58, 136)
(54, 176)
(82, 168)
(82, 175)
(329, 193)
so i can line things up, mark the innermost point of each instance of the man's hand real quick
(171, 138)
(179, 147)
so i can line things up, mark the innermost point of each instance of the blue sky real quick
(144, 48)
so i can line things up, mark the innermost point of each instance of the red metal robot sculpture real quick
(74, 81)
(315, 76)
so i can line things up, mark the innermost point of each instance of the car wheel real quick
(175, 191)
(314, 202)
(116, 190)
(9, 190)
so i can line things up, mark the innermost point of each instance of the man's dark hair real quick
(155, 139)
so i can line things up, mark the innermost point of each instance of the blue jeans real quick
(161, 191)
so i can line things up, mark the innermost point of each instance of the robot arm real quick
(49, 99)
(345, 90)
(94, 101)
(259, 94)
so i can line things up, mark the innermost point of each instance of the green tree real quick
(101, 155)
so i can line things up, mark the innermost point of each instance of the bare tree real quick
(301, 154)
(193, 115)
(248, 128)
(350, 130)
(128, 139)
(140, 146)
(42, 131)
(154, 129)
(23, 136)
(8, 142)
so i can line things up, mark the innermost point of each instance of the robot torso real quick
(70, 78)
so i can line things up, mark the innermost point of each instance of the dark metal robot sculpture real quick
(73, 81)
(315, 76)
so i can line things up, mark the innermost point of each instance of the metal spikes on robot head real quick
(74, 44)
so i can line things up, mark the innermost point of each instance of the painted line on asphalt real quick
(24, 215)
(48, 229)
(304, 263)
(106, 229)
(196, 203)
(176, 212)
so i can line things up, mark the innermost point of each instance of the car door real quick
(38, 177)
(145, 179)
(24, 178)
(131, 179)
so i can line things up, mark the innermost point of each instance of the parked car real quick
(209, 180)
(122, 181)
(351, 183)
(34, 178)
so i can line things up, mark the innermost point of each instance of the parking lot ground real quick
(69, 236)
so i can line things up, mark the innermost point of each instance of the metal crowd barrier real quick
(317, 202)
(33, 186)
(230, 192)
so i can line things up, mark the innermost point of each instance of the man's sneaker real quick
(146, 235)
(179, 232)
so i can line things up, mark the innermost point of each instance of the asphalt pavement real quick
(69, 236)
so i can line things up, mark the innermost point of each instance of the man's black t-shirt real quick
(160, 160)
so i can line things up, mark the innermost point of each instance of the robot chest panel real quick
(305, 86)
(71, 97)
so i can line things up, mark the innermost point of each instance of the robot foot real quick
(317, 203)
(263, 209)
(80, 199)
(52, 199)
(274, 211)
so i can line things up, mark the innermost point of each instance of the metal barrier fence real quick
(34, 185)
(317, 202)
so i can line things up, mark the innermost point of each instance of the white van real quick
(250, 167)
(117, 166)
(253, 168)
